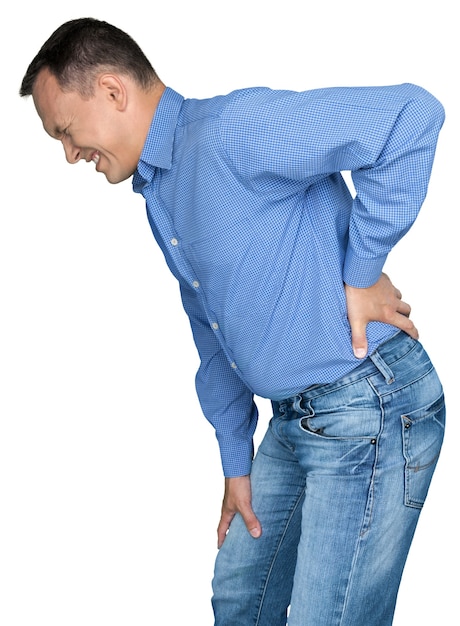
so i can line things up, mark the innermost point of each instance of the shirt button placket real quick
(175, 243)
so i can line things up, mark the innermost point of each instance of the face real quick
(95, 129)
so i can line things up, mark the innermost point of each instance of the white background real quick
(110, 479)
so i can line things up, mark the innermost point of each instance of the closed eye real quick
(59, 133)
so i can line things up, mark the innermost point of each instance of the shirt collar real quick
(158, 147)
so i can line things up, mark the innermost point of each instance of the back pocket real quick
(423, 433)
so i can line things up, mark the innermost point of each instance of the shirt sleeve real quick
(391, 191)
(227, 403)
(386, 137)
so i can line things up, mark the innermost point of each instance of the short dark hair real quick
(80, 49)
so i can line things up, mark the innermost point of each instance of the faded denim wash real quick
(338, 484)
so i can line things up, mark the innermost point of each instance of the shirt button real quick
(174, 241)
(196, 284)
(233, 365)
(215, 325)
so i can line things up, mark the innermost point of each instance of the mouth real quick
(95, 157)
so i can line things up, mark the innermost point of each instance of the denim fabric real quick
(338, 484)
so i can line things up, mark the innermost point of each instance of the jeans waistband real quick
(381, 360)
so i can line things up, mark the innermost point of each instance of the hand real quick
(379, 303)
(237, 499)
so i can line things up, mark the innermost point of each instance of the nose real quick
(72, 152)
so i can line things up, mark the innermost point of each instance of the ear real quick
(114, 88)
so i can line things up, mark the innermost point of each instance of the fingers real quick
(382, 302)
(409, 327)
(400, 317)
(404, 308)
(237, 499)
(223, 527)
(401, 320)
(252, 524)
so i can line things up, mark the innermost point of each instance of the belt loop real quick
(382, 367)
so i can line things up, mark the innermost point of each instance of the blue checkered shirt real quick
(246, 199)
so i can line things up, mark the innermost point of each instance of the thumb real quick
(252, 523)
(359, 340)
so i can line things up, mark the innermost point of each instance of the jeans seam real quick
(367, 520)
(267, 578)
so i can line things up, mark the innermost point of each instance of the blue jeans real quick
(338, 484)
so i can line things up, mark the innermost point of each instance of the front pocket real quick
(423, 433)
(351, 412)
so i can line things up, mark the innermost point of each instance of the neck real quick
(146, 105)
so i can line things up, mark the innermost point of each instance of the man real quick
(280, 271)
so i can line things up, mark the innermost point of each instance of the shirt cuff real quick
(359, 272)
(236, 456)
